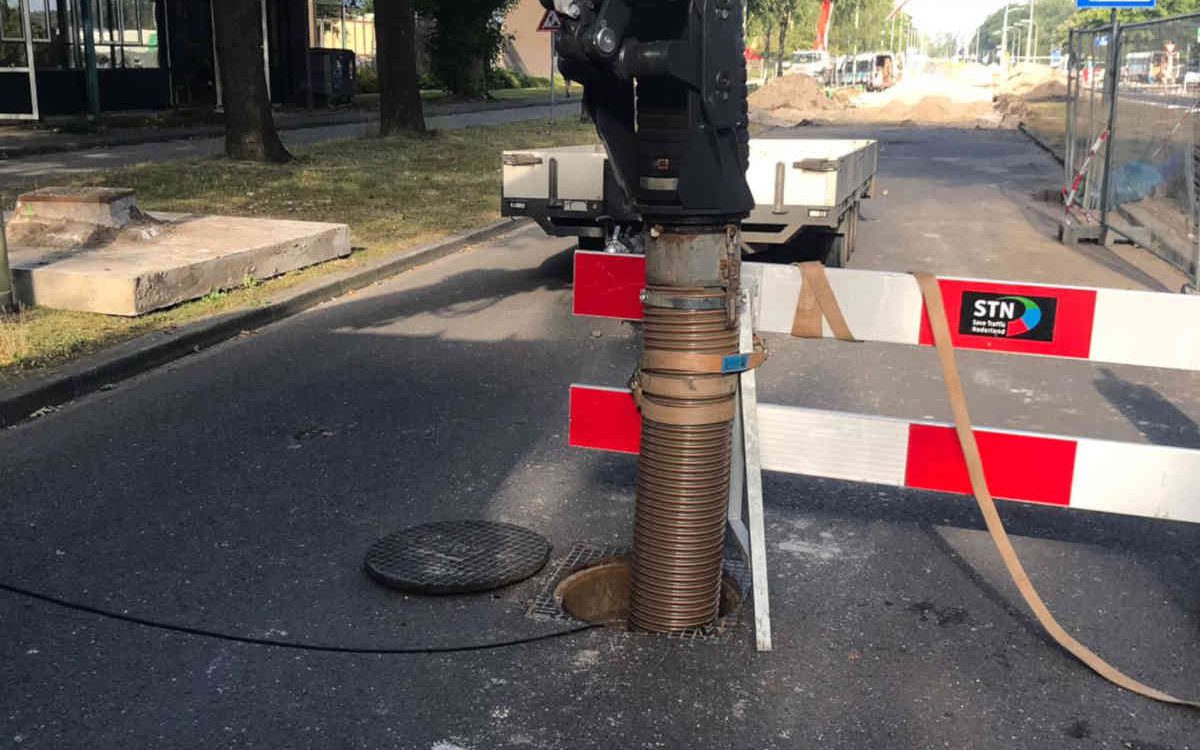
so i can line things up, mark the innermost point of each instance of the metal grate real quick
(457, 557)
(545, 606)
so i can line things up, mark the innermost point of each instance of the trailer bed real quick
(797, 184)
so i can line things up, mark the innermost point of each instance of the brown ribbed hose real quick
(683, 475)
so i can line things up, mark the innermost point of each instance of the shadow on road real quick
(1160, 421)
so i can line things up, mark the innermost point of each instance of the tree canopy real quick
(1055, 17)
(857, 24)
(467, 37)
(863, 25)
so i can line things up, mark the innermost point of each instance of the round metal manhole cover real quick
(457, 557)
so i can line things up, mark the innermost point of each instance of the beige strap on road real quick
(818, 303)
(962, 421)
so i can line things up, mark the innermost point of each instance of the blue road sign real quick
(1116, 3)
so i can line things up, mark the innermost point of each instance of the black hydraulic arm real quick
(665, 84)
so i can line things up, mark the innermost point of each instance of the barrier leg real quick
(748, 471)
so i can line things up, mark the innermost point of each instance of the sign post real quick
(550, 24)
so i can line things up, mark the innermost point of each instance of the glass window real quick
(131, 27)
(126, 33)
(39, 21)
(147, 23)
(12, 55)
(11, 26)
(99, 19)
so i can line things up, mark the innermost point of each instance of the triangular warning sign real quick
(550, 22)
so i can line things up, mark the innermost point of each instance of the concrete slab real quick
(176, 258)
(105, 207)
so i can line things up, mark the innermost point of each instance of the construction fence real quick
(1133, 132)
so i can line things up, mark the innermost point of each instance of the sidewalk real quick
(19, 141)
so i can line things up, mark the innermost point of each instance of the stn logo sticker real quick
(1008, 316)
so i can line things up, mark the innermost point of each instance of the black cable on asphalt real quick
(273, 643)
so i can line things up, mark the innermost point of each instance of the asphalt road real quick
(237, 491)
(32, 167)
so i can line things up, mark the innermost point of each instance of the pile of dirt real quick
(1009, 105)
(793, 92)
(930, 110)
(974, 74)
(944, 101)
(845, 96)
(1034, 83)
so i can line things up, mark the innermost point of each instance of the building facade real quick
(526, 50)
(157, 54)
(150, 54)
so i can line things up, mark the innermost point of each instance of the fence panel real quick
(1087, 111)
(1153, 195)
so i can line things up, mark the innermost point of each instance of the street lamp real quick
(1028, 44)
(1029, 51)
(1004, 40)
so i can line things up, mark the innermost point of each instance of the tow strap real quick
(818, 302)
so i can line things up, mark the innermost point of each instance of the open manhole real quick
(457, 557)
(601, 594)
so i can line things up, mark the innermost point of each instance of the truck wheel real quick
(835, 255)
(852, 241)
(841, 241)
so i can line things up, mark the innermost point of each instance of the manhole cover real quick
(457, 557)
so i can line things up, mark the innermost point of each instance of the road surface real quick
(236, 491)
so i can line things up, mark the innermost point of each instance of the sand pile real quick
(1034, 83)
(918, 100)
(845, 96)
(793, 92)
(1010, 105)
(929, 110)
(974, 74)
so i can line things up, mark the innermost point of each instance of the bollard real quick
(8, 301)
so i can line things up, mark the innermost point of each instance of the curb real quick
(1040, 143)
(18, 403)
(217, 131)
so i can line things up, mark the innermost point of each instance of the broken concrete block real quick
(167, 259)
(104, 207)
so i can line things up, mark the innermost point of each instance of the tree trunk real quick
(399, 92)
(783, 32)
(469, 79)
(249, 127)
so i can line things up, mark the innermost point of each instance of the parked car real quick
(812, 63)
(885, 74)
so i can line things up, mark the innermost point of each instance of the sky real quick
(952, 16)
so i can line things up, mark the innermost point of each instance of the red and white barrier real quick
(1081, 474)
(1146, 329)
(1069, 194)
(1102, 325)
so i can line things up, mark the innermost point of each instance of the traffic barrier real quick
(1072, 322)
(1115, 326)
(1150, 481)
(1070, 194)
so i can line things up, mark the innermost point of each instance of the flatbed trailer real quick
(807, 192)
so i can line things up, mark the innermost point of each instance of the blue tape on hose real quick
(735, 363)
